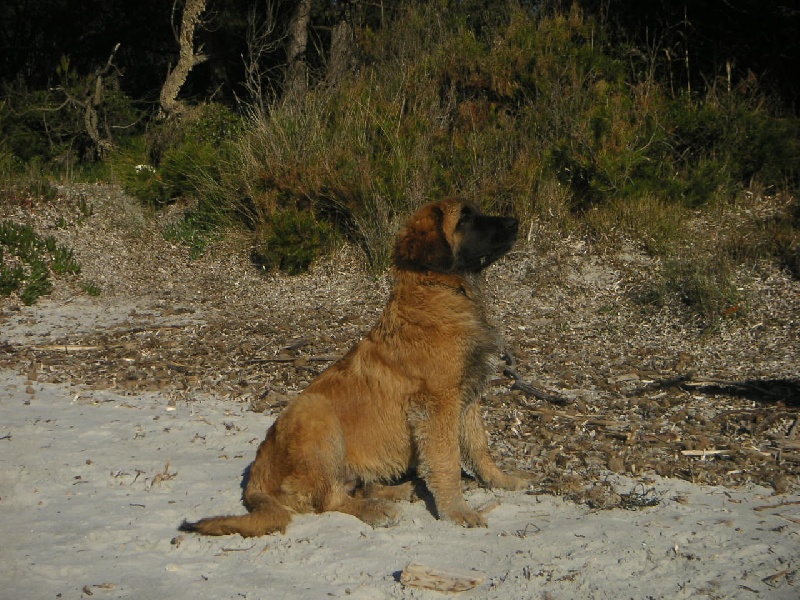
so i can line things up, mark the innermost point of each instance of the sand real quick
(94, 484)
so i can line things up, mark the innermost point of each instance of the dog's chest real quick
(480, 363)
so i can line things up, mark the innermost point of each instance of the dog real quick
(404, 398)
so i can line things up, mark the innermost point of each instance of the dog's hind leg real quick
(377, 512)
(267, 516)
(400, 492)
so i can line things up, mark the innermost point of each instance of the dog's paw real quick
(465, 516)
(510, 483)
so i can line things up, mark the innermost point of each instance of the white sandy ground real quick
(93, 486)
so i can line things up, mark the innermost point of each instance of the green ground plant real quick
(27, 261)
(194, 230)
(293, 240)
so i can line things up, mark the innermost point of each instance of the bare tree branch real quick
(94, 100)
(187, 60)
(261, 41)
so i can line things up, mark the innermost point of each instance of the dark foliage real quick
(751, 36)
(748, 35)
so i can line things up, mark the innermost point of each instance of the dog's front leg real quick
(436, 433)
(475, 452)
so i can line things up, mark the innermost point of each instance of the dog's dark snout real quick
(510, 224)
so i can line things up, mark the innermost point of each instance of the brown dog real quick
(405, 397)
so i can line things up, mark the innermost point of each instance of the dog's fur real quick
(406, 397)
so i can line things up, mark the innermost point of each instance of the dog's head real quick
(452, 236)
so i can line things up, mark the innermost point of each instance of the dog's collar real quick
(458, 286)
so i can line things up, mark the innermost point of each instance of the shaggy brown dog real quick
(405, 397)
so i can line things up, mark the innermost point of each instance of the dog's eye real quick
(465, 218)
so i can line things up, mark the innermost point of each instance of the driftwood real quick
(66, 348)
(779, 505)
(772, 580)
(704, 453)
(422, 576)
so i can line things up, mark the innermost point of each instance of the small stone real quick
(616, 464)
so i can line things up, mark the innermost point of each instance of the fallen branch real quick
(291, 359)
(525, 387)
(773, 579)
(779, 505)
(795, 520)
(66, 347)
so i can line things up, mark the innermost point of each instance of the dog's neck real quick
(465, 284)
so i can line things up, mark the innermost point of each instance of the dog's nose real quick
(510, 224)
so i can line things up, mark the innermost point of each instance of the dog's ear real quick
(422, 245)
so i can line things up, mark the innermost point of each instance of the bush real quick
(50, 125)
(721, 144)
(291, 241)
(518, 111)
(177, 158)
(187, 159)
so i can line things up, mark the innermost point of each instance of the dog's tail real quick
(267, 515)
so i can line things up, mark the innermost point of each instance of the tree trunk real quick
(297, 67)
(187, 59)
(340, 59)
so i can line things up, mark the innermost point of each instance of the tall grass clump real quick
(358, 157)
(522, 114)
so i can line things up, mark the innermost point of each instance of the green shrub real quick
(187, 159)
(38, 282)
(11, 277)
(517, 110)
(722, 144)
(177, 157)
(63, 260)
(50, 125)
(291, 242)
